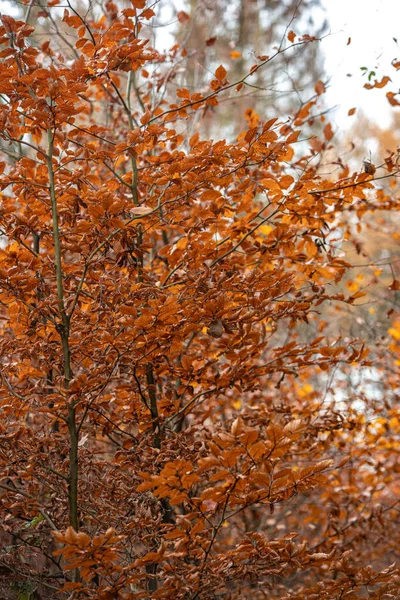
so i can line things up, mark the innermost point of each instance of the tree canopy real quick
(188, 408)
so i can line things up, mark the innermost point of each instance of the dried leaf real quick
(320, 87)
(220, 73)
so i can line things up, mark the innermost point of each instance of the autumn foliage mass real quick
(187, 411)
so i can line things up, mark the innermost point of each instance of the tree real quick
(211, 33)
(169, 425)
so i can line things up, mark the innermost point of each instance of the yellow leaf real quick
(305, 390)
(13, 247)
(182, 243)
(266, 229)
(395, 333)
(352, 286)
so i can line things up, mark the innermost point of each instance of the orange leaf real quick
(291, 36)
(293, 137)
(147, 14)
(391, 97)
(384, 81)
(83, 539)
(250, 135)
(71, 536)
(145, 118)
(270, 184)
(322, 465)
(194, 140)
(220, 73)
(378, 84)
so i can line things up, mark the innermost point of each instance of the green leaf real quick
(34, 521)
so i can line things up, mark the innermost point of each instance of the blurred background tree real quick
(236, 33)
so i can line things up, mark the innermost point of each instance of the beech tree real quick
(175, 416)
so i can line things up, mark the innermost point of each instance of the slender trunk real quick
(63, 330)
(151, 390)
(73, 469)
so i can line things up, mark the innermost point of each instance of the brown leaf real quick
(183, 17)
(320, 87)
(237, 426)
(293, 426)
(216, 328)
(328, 133)
(141, 210)
(395, 285)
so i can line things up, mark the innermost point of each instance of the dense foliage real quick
(180, 419)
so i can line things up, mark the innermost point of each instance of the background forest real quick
(199, 287)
